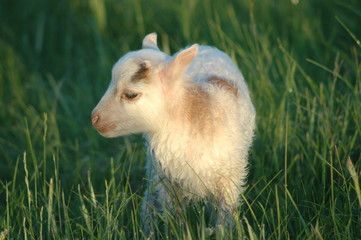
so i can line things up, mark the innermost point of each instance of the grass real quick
(60, 180)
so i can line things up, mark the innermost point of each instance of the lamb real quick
(195, 111)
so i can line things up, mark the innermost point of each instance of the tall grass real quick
(60, 180)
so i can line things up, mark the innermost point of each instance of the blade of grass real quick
(50, 206)
(352, 170)
(305, 227)
(357, 41)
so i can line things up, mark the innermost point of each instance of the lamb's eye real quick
(130, 95)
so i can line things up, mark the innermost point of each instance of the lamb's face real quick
(133, 101)
(144, 83)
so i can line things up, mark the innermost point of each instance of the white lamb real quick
(195, 110)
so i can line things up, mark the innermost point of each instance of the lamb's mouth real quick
(106, 128)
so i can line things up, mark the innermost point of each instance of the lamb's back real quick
(211, 62)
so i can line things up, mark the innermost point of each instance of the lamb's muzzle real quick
(100, 125)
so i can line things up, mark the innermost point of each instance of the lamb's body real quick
(209, 149)
(199, 140)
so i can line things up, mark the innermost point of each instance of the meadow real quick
(59, 179)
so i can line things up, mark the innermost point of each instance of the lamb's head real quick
(143, 84)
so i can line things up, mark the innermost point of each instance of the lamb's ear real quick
(150, 41)
(180, 62)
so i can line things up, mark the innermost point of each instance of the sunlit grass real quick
(60, 180)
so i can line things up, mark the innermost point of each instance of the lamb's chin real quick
(117, 133)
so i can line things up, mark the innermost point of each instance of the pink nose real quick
(95, 119)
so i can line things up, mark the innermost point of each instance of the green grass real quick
(59, 179)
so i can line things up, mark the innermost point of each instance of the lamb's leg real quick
(152, 201)
(158, 200)
(161, 197)
(227, 206)
(151, 206)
